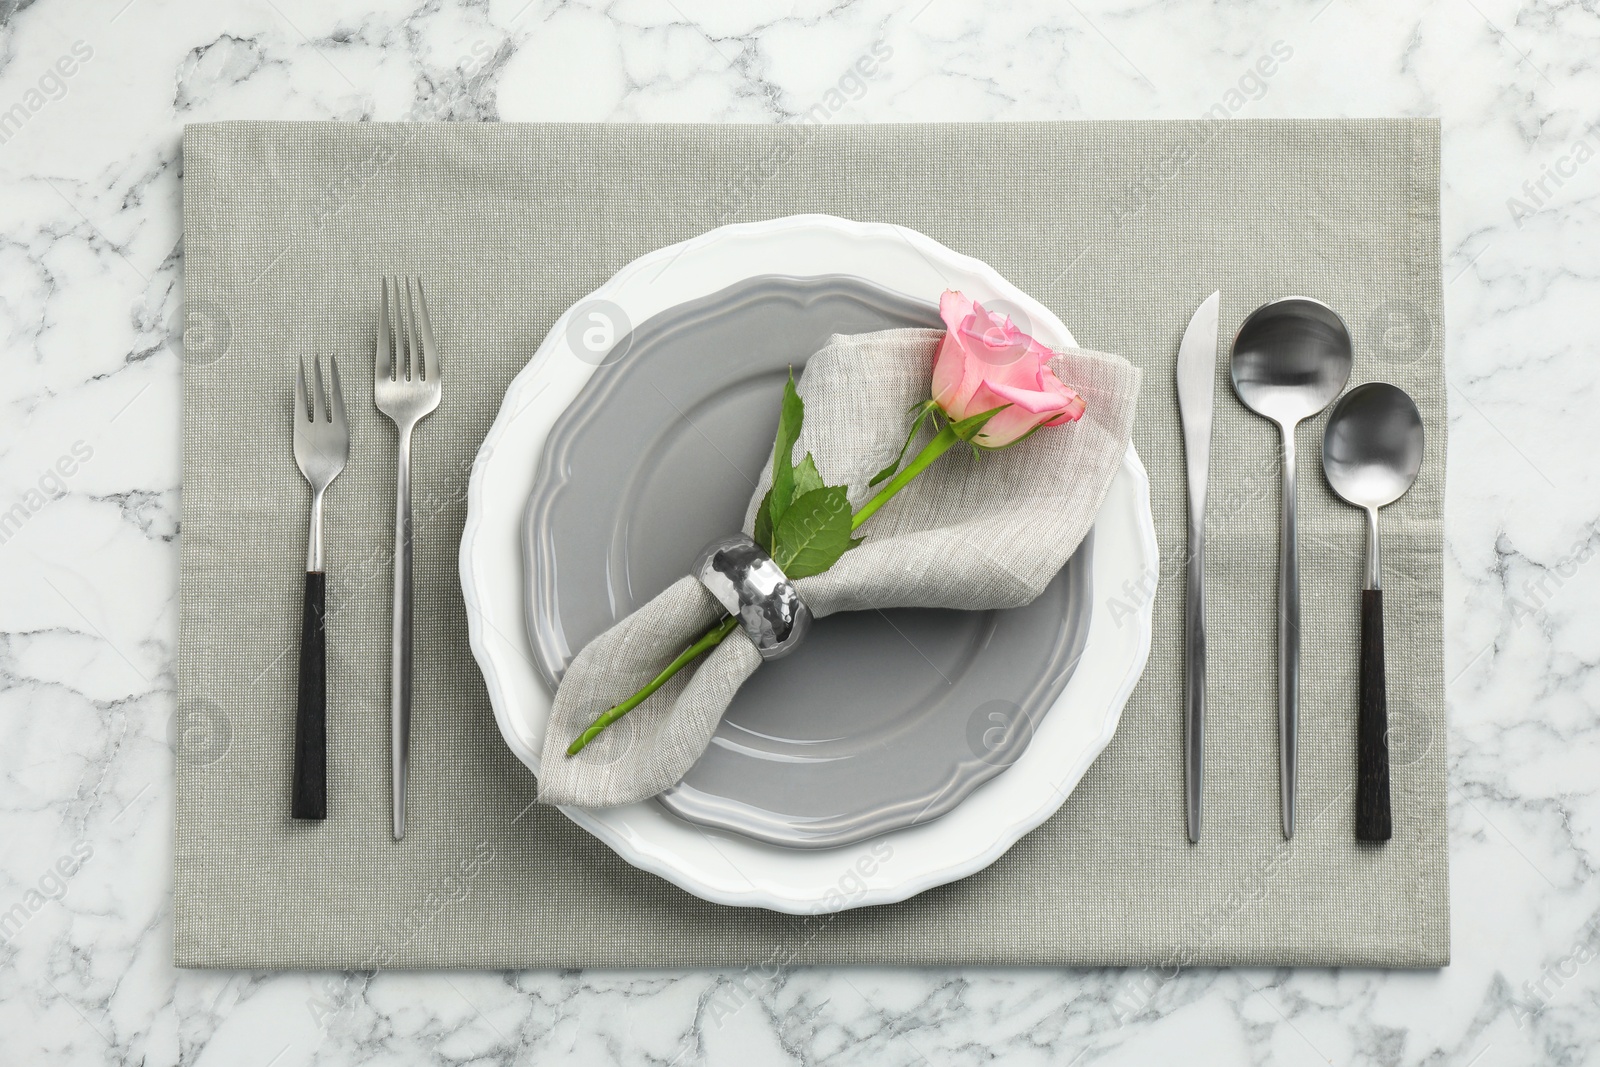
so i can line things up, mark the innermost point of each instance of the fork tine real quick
(323, 413)
(397, 327)
(300, 412)
(384, 363)
(430, 347)
(413, 346)
(338, 393)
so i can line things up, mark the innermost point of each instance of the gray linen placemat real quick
(1122, 228)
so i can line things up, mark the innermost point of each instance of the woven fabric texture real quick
(1121, 228)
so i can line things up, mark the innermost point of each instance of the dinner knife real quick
(1197, 384)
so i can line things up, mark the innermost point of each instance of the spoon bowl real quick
(1372, 449)
(1291, 358)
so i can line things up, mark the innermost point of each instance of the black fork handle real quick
(310, 800)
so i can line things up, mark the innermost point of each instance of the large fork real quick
(406, 387)
(321, 446)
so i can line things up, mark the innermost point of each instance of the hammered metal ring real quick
(745, 581)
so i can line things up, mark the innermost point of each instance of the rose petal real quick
(954, 307)
(1023, 371)
(975, 369)
(1038, 401)
(1071, 413)
(949, 366)
(1073, 405)
(1007, 427)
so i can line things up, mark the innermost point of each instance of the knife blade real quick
(1197, 386)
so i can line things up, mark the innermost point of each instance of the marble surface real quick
(92, 99)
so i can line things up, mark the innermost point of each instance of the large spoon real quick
(1371, 453)
(1290, 359)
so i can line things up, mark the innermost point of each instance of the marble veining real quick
(92, 100)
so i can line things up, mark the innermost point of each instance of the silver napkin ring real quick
(745, 581)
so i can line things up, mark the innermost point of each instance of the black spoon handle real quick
(311, 716)
(1372, 771)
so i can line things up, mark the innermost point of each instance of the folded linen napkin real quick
(972, 532)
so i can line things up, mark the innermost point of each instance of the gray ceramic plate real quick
(884, 719)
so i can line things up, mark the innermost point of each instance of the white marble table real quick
(92, 99)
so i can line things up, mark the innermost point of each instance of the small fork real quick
(321, 446)
(406, 387)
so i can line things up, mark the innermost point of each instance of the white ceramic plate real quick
(727, 868)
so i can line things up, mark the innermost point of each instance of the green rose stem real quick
(710, 639)
(931, 451)
(941, 443)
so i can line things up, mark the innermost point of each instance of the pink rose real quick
(985, 362)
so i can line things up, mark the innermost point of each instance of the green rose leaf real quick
(813, 533)
(790, 418)
(923, 410)
(806, 478)
(763, 526)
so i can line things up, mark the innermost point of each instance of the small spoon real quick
(1291, 358)
(1371, 453)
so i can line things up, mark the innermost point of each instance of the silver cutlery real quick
(321, 446)
(1197, 381)
(406, 387)
(1291, 358)
(1371, 453)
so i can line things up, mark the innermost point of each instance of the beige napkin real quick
(971, 532)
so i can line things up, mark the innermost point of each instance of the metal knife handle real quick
(1194, 688)
(1288, 640)
(400, 676)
